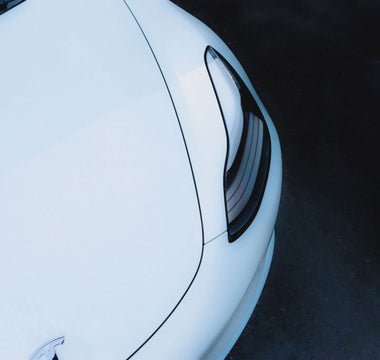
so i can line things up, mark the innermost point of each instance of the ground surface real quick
(315, 65)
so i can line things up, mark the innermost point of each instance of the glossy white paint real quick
(181, 56)
(98, 210)
(211, 317)
(99, 221)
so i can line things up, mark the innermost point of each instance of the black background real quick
(315, 65)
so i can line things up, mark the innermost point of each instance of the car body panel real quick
(100, 226)
(212, 315)
(209, 319)
(222, 311)
(181, 57)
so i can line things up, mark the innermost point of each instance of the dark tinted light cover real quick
(247, 165)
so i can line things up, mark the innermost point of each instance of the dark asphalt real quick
(316, 66)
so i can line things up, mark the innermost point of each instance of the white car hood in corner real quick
(100, 231)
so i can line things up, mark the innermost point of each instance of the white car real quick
(140, 179)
